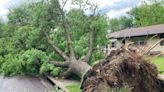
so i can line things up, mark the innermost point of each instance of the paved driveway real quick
(21, 84)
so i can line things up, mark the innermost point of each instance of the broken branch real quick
(59, 63)
(66, 74)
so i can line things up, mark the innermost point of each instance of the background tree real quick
(146, 14)
(149, 13)
(123, 22)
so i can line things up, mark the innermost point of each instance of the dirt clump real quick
(122, 68)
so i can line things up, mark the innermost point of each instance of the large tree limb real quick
(59, 64)
(66, 29)
(55, 48)
(66, 74)
(90, 51)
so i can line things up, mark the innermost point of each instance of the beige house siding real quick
(118, 43)
(158, 47)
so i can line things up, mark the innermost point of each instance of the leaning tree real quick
(69, 37)
(77, 26)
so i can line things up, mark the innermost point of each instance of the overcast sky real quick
(113, 8)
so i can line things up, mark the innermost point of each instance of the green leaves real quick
(28, 37)
(23, 46)
(27, 62)
(148, 14)
(11, 65)
(144, 15)
(49, 68)
(120, 23)
(32, 60)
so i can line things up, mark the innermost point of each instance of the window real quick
(162, 42)
(113, 45)
(123, 42)
(161, 35)
(140, 42)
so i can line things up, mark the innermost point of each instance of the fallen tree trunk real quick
(76, 67)
(79, 68)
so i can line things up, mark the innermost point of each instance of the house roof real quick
(141, 31)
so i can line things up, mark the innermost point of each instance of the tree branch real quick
(59, 63)
(64, 4)
(66, 29)
(66, 74)
(55, 48)
(90, 51)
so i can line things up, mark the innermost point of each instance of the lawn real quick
(74, 88)
(160, 64)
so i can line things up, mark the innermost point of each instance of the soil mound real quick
(122, 68)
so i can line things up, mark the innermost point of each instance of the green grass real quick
(74, 88)
(160, 64)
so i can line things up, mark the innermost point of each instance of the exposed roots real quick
(122, 68)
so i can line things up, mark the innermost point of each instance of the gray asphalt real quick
(21, 84)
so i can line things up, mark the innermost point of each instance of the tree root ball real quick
(122, 68)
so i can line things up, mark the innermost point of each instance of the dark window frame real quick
(140, 42)
(113, 44)
(162, 42)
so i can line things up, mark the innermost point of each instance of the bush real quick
(49, 68)
(11, 66)
(27, 62)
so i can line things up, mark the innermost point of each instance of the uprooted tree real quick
(42, 32)
(93, 27)
(45, 32)
(124, 68)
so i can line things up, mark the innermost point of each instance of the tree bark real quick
(55, 48)
(76, 67)
(66, 29)
(66, 74)
(59, 63)
(90, 51)
(79, 67)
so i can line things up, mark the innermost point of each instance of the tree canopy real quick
(39, 32)
(117, 24)
(146, 14)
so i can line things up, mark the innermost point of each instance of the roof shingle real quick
(141, 31)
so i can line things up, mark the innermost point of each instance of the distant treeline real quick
(148, 13)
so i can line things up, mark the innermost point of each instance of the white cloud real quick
(3, 11)
(119, 7)
(102, 3)
(117, 13)
(113, 8)
(5, 5)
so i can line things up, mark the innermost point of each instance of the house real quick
(140, 36)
